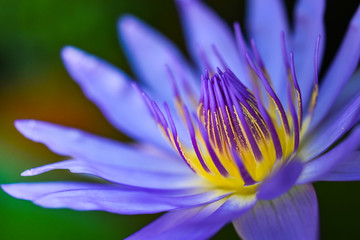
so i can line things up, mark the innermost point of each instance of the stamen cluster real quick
(237, 135)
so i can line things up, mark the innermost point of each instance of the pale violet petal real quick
(347, 170)
(346, 97)
(140, 177)
(204, 29)
(340, 71)
(104, 197)
(266, 20)
(292, 216)
(320, 167)
(111, 90)
(196, 223)
(309, 24)
(79, 144)
(327, 135)
(149, 53)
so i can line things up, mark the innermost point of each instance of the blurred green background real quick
(35, 85)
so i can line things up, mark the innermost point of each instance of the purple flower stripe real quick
(290, 99)
(270, 126)
(230, 77)
(298, 91)
(220, 58)
(237, 84)
(266, 27)
(242, 48)
(253, 144)
(308, 25)
(193, 139)
(211, 125)
(271, 92)
(233, 118)
(160, 117)
(235, 98)
(240, 41)
(175, 136)
(146, 99)
(339, 73)
(210, 149)
(173, 82)
(257, 56)
(242, 169)
(316, 81)
(213, 112)
(206, 100)
(284, 51)
(294, 118)
(226, 121)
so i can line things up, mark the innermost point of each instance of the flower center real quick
(238, 137)
(238, 140)
(235, 127)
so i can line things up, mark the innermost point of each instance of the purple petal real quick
(205, 29)
(341, 69)
(319, 168)
(140, 177)
(102, 155)
(79, 144)
(291, 216)
(196, 223)
(149, 53)
(111, 91)
(346, 97)
(324, 138)
(309, 24)
(347, 170)
(85, 196)
(266, 21)
(281, 181)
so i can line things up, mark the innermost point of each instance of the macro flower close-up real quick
(236, 135)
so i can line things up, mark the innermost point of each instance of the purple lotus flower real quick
(240, 142)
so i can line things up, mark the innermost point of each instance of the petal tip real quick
(67, 51)
(184, 2)
(25, 126)
(27, 173)
(127, 22)
(355, 21)
(71, 55)
(8, 188)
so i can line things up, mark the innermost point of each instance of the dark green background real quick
(34, 84)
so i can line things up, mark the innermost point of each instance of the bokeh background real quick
(35, 85)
